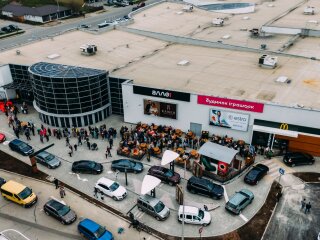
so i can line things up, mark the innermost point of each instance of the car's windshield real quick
(49, 158)
(101, 230)
(25, 193)
(201, 214)
(168, 173)
(63, 210)
(114, 186)
(132, 164)
(159, 207)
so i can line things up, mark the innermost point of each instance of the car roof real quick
(158, 168)
(189, 209)
(43, 154)
(55, 204)
(82, 162)
(16, 141)
(13, 187)
(89, 224)
(105, 181)
(200, 180)
(151, 200)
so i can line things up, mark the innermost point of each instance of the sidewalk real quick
(35, 217)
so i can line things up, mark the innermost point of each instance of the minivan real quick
(194, 215)
(153, 207)
(18, 193)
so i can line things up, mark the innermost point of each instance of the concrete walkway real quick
(36, 218)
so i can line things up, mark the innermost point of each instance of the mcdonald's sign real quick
(284, 126)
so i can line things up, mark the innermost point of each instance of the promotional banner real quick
(231, 120)
(231, 103)
(160, 109)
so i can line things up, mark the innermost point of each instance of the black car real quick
(48, 160)
(60, 211)
(87, 166)
(2, 181)
(205, 187)
(165, 175)
(298, 158)
(123, 164)
(21, 147)
(256, 174)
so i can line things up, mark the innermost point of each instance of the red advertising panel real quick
(231, 103)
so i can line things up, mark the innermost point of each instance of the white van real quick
(194, 215)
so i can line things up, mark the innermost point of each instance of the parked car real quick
(111, 188)
(153, 206)
(2, 181)
(2, 137)
(239, 201)
(84, 26)
(205, 187)
(298, 158)
(60, 211)
(48, 159)
(130, 165)
(87, 166)
(21, 147)
(165, 175)
(194, 215)
(140, 5)
(93, 231)
(256, 174)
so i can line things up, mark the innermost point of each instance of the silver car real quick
(48, 160)
(239, 201)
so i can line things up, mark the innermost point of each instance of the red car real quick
(2, 137)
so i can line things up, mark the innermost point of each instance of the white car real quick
(194, 215)
(111, 188)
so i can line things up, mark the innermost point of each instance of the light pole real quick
(58, 9)
(168, 157)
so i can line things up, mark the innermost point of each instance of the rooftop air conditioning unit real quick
(187, 8)
(268, 61)
(309, 10)
(218, 22)
(88, 49)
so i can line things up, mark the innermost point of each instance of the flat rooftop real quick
(218, 72)
(168, 18)
(115, 49)
(297, 18)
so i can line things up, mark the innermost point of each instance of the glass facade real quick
(116, 95)
(68, 90)
(22, 83)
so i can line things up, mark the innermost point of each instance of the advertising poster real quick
(227, 119)
(160, 109)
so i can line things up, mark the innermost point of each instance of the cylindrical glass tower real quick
(67, 96)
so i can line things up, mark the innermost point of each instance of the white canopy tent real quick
(149, 183)
(168, 157)
(218, 152)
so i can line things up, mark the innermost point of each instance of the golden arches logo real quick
(284, 126)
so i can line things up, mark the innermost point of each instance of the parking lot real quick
(222, 221)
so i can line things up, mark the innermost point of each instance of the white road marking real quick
(274, 168)
(274, 174)
(243, 217)
(226, 198)
(5, 142)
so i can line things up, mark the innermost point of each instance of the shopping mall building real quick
(191, 86)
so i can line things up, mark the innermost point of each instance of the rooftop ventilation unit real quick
(309, 11)
(218, 22)
(88, 49)
(187, 8)
(268, 61)
(283, 79)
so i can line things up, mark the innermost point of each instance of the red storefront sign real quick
(230, 103)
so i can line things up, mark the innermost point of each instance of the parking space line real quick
(226, 198)
(274, 174)
(243, 217)
(274, 168)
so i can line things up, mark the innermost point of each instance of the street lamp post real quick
(58, 9)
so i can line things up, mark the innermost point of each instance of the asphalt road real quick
(39, 32)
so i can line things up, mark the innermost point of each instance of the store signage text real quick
(231, 103)
(154, 92)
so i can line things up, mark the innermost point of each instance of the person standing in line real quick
(79, 140)
(75, 147)
(88, 145)
(67, 141)
(56, 183)
(111, 142)
(47, 137)
(109, 152)
(303, 204)
(49, 131)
